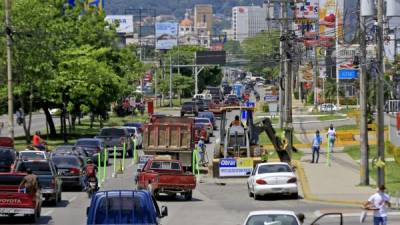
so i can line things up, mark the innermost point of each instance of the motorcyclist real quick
(38, 142)
(90, 171)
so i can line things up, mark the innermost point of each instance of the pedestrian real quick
(331, 135)
(316, 145)
(379, 202)
(29, 182)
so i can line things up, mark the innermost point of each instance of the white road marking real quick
(47, 213)
(72, 199)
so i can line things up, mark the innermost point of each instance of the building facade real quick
(203, 21)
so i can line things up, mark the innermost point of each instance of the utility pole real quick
(364, 163)
(170, 81)
(283, 15)
(379, 96)
(315, 78)
(9, 70)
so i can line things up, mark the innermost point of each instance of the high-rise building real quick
(203, 21)
(247, 21)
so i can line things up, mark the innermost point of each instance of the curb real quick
(311, 197)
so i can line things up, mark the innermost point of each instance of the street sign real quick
(346, 74)
(235, 167)
(271, 98)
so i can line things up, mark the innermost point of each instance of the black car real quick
(7, 159)
(189, 108)
(49, 180)
(71, 150)
(92, 147)
(69, 168)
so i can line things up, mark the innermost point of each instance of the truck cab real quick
(124, 207)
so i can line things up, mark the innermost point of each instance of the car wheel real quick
(33, 218)
(295, 195)
(188, 196)
(249, 191)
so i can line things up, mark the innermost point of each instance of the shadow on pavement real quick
(62, 204)
(23, 220)
(279, 197)
(178, 198)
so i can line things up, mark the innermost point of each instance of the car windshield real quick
(272, 219)
(201, 120)
(66, 161)
(277, 168)
(165, 165)
(31, 155)
(38, 168)
(93, 143)
(188, 104)
(113, 132)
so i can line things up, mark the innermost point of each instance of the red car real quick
(200, 130)
(167, 177)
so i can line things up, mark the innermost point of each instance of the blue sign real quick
(227, 163)
(346, 74)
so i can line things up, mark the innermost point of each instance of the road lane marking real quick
(48, 213)
(72, 199)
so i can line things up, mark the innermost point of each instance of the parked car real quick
(200, 130)
(207, 124)
(135, 207)
(69, 168)
(167, 177)
(137, 134)
(189, 108)
(209, 115)
(272, 178)
(48, 177)
(116, 138)
(7, 159)
(328, 107)
(14, 202)
(32, 155)
(92, 147)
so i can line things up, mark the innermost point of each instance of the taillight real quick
(74, 171)
(292, 180)
(261, 181)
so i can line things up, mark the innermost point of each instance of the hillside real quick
(175, 7)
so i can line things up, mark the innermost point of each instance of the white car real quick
(272, 178)
(272, 217)
(328, 107)
(137, 134)
(32, 155)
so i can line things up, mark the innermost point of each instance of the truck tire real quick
(188, 196)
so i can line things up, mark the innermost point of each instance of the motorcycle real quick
(92, 186)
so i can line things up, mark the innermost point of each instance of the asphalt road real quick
(38, 123)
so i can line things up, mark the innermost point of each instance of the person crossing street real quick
(316, 145)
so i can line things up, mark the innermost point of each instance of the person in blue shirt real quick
(316, 145)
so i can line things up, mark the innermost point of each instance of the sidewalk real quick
(337, 183)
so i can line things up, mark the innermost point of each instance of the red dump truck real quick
(14, 202)
(168, 135)
(166, 177)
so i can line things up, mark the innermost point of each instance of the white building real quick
(247, 21)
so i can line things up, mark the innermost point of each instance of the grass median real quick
(392, 175)
(82, 130)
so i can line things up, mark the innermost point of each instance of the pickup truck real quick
(13, 202)
(135, 207)
(167, 177)
(116, 137)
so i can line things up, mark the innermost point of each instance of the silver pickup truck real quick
(116, 137)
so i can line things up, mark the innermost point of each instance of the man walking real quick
(379, 202)
(316, 145)
(331, 135)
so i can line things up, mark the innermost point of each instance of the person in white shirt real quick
(331, 135)
(379, 203)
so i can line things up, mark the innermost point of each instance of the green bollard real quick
(115, 161)
(195, 162)
(123, 157)
(135, 155)
(99, 167)
(105, 164)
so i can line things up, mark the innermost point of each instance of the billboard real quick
(210, 57)
(125, 22)
(345, 74)
(235, 167)
(166, 35)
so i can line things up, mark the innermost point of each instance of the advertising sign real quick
(125, 22)
(348, 74)
(235, 167)
(166, 35)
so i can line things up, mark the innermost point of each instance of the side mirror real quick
(164, 211)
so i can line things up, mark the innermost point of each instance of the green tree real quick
(233, 48)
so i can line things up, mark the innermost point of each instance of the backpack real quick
(90, 171)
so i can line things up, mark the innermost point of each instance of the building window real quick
(204, 19)
(187, 28)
